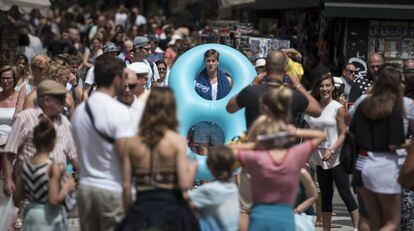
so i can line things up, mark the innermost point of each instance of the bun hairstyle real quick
(276, 103)
(220, 161)
(44, 135)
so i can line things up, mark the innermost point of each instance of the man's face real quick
(349, 72)
(53, 105)
(142, 81)
(131, 83)
(119, 82)
(211, 63)
(128, 46)
(74, 35)
(141, 52)
(374, 64)
(7, 80)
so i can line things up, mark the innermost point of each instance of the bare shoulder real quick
(174, 136)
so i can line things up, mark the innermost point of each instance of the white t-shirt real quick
(214, 91)
(99, 164)
(136, 110)
(140, 20)
(121, 19)
(218, 203)
(90, 76)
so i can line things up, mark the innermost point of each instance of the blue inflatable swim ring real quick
(192, 109)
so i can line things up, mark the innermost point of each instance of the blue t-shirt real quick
(218, 203)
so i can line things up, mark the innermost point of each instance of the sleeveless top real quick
(6, 116)
(326, 122)
(153, 178)
(36, 181)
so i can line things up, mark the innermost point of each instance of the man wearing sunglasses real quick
(348, 76)
(142, 49)
(361, 85)
(134, 87)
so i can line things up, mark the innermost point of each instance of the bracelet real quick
(298, 86)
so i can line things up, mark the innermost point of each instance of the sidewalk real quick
(342, 217)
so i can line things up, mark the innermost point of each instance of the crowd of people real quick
(86, 113)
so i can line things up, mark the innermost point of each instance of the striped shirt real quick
(20, 140)
(36, 181)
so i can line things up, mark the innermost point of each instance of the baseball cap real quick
(50, 87)
(260, 63)
(140, 41)
(109, 47)
(139, 68)
(174, 38)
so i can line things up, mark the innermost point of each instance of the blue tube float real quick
(192, 109)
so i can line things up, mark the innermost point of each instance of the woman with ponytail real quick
(40, 181)
(275, 167)
(326, 157)
(157, 159)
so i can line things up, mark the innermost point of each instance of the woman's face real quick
(96, 44)
(119, 37)
(63, 77)
(162, 69)
(7, 80)
(21, 64)
(326, 88)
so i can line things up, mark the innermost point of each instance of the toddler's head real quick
(220, 161)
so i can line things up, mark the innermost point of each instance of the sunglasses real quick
(145, 48)
(162, 69)
(132, 86)
(351, 71)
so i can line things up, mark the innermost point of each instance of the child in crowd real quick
(40, 181)
(218, 201)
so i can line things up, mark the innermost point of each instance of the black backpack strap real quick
(104, 136)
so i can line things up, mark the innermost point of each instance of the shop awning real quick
(402, 10)
(25, 6)
(285, 4)
(231, 3)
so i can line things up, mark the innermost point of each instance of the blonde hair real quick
(38, 59)
(53, 69)
(265, 125)
(62, 69)
(276, 103)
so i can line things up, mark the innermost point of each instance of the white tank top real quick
(326, 122)
(6, 115)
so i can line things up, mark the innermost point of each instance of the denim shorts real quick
(208, 133)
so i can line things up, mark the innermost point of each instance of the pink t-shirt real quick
(275, 181)
(169, 56)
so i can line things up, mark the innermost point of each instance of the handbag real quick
(348, 153)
